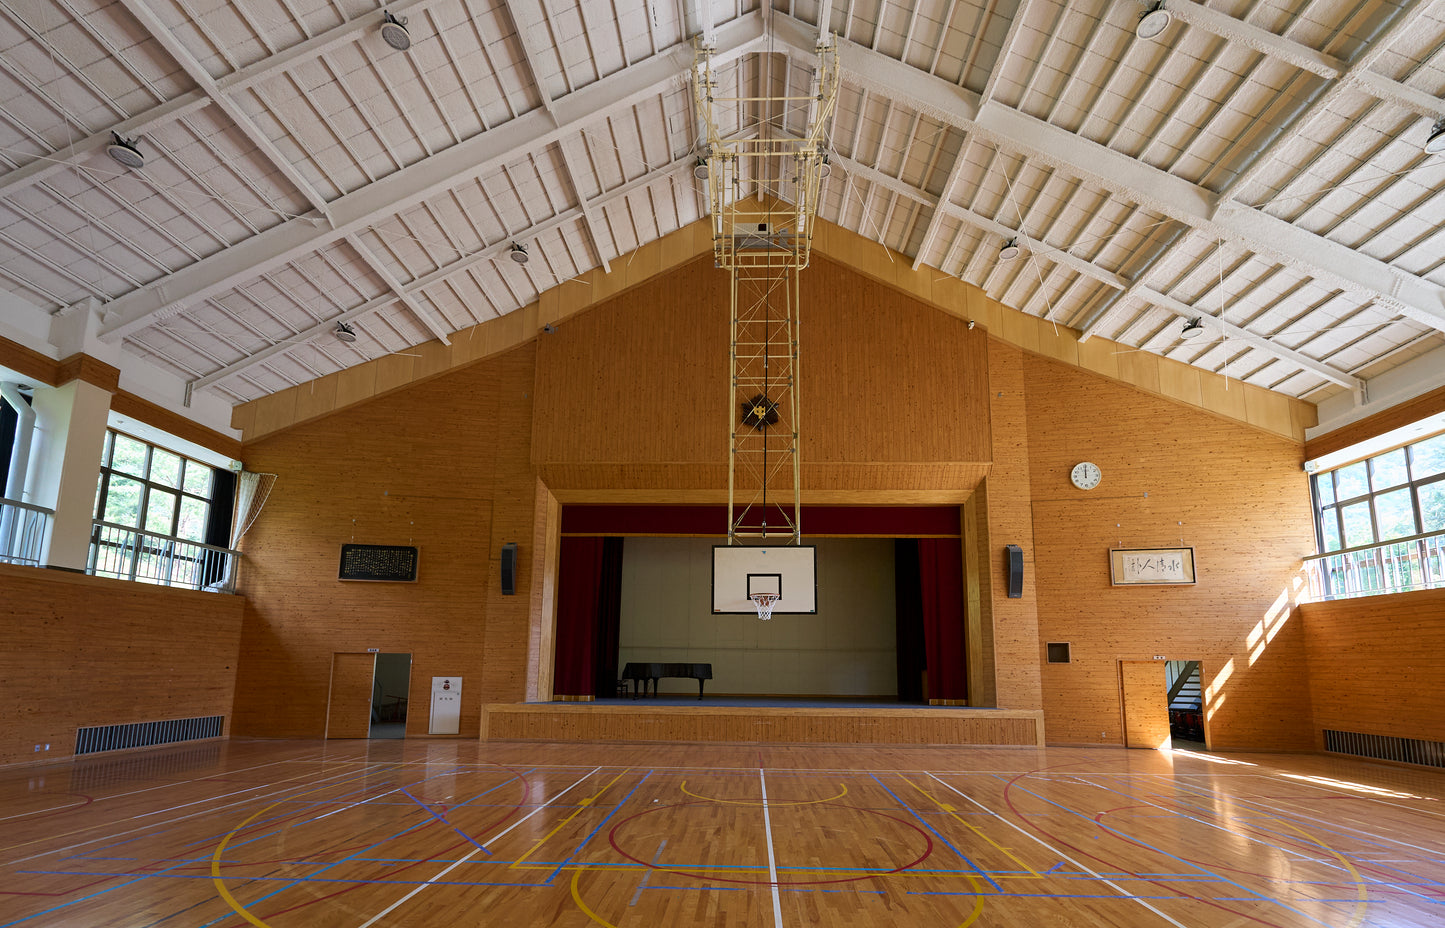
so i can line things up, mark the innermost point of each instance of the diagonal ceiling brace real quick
(407, 298)
(442, 171)
(182, 56)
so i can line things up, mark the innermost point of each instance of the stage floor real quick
(356, 834)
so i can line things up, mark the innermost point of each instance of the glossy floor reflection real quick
(289, 834)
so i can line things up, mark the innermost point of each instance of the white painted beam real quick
(530, 56)
(179, 107)
(473, 157)
(1216, 325)
(1251, 36)
(407, 299)
(1094, 272)
(1358, 78)
(1150, 187)
(421, 284)
(183, 57)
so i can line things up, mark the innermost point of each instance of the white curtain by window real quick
(251, 493)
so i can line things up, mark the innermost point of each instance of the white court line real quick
(395, 905)
(1094, 873)
(119, 834)
(772, 862)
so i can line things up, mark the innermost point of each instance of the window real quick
(149, 488)
(1393, 495)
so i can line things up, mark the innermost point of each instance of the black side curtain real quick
(912, 658)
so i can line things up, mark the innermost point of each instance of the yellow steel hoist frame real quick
(764, 242)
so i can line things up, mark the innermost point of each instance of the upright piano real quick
(640, 673)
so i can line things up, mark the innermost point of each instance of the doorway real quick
(1184, 693)
(389, 690)
(368, 695)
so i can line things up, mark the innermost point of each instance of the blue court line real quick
(349, 859)
(1258, 897)
(302, 787)
(1203, 794)
(936, 833)
(553, 875)
(1331, 830)
(442, 818)
(99, 892)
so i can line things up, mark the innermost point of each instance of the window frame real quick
(1369, 497)
(107, 471)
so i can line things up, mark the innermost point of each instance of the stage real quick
(743, 719)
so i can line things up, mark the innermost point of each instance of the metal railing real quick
(22, 531)
(131, 554)
(1414, 563)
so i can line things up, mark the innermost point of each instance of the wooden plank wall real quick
(786, 725)
(444, 466)
(631, 395)
(470, 460)
(90, 651)
(1375, 664)
(1236, 494)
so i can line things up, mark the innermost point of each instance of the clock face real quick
(1086, 475)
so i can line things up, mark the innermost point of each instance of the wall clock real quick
(1086, 475)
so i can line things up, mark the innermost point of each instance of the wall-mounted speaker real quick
(509, 569)
(1015, 571)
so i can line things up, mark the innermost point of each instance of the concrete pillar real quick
(70, 423)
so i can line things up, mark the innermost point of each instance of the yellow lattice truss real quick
(764, 242)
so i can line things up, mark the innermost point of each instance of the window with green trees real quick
(1397, 494)
(146, 487)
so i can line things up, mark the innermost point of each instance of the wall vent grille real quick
(1386, 747)
(145, 734)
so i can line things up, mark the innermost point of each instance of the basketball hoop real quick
(764, 602)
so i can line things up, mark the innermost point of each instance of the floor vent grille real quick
(1386, 747)
(145, 734)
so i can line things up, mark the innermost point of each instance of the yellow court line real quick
(1033, 874)
(582, 806)
(225, 893)
(759, 802)
(1361, 894)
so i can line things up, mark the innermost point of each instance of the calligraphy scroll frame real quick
(1151, 566)
(378, 563)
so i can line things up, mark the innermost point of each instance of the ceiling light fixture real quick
(1435, 144)
(519, 253)
(1192, 329)
(1010, 250)
(1153, 21)
(393, 32)
(700, 169)
(344, 333)
(825, 167)
(125, 153)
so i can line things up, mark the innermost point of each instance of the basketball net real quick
(764, 602)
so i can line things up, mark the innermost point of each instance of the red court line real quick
(927, 850)
(1114, 864)
(526, 792)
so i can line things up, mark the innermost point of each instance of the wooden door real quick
(1146, 708)
(349, 713)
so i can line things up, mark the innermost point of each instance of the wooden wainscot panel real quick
(1374, 664)
(811, 725)
(83, 651)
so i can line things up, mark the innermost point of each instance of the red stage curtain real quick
(579, 575)
(909, 624)
(589, 607)
(940, 574)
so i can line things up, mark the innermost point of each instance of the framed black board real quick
(378, 563)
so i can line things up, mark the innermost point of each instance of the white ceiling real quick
(1260, 165)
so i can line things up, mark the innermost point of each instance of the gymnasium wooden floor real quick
(355, 833)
